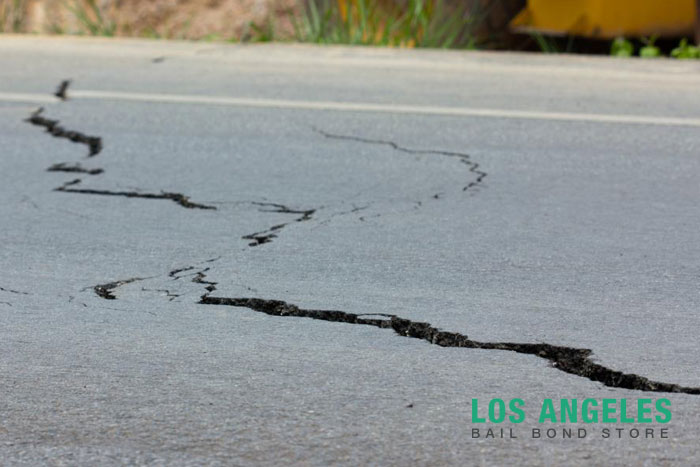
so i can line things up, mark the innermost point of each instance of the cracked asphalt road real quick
(566, 214)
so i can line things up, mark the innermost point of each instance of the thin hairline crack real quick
(13, 291)
(570, 360)
(177, 198)
(463, 157)
(73, 168)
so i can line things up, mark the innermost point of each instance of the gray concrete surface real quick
(579, 228)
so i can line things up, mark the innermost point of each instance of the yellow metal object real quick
(608, 18)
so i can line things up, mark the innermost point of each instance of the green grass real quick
(420, 23)
(405, 23)
(551, 45)
(261, 33)
(91, 18)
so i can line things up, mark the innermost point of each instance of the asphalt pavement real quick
(218, 254)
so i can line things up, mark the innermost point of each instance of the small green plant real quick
(91, 19)
(546, 44)
(211, 37)
(621, 47)
(150, 33)
(649, 50)
(685, 50)
(262, 32)
(549, 45)
(182, 32)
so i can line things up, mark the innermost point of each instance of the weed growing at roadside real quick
(418, 23)
(91, 18)
(649, 50)
(621, 47)
(685, 50)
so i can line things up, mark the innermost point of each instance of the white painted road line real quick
(28, 98)
(359, 107)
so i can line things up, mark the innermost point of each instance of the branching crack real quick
(354, 210)
(266, 236)
(568, 359)
(178, 198)
(199, 279)
(105, 290)
(94, 143)
(463, 157)
(174, 273)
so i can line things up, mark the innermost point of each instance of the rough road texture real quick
(567, 268)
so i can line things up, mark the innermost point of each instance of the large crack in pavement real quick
(571, 360)
(575, 361)
(463, 157)
(177, 198)
(94, 143)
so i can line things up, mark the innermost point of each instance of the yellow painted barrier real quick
(607, 19)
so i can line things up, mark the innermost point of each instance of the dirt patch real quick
(175, 19)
